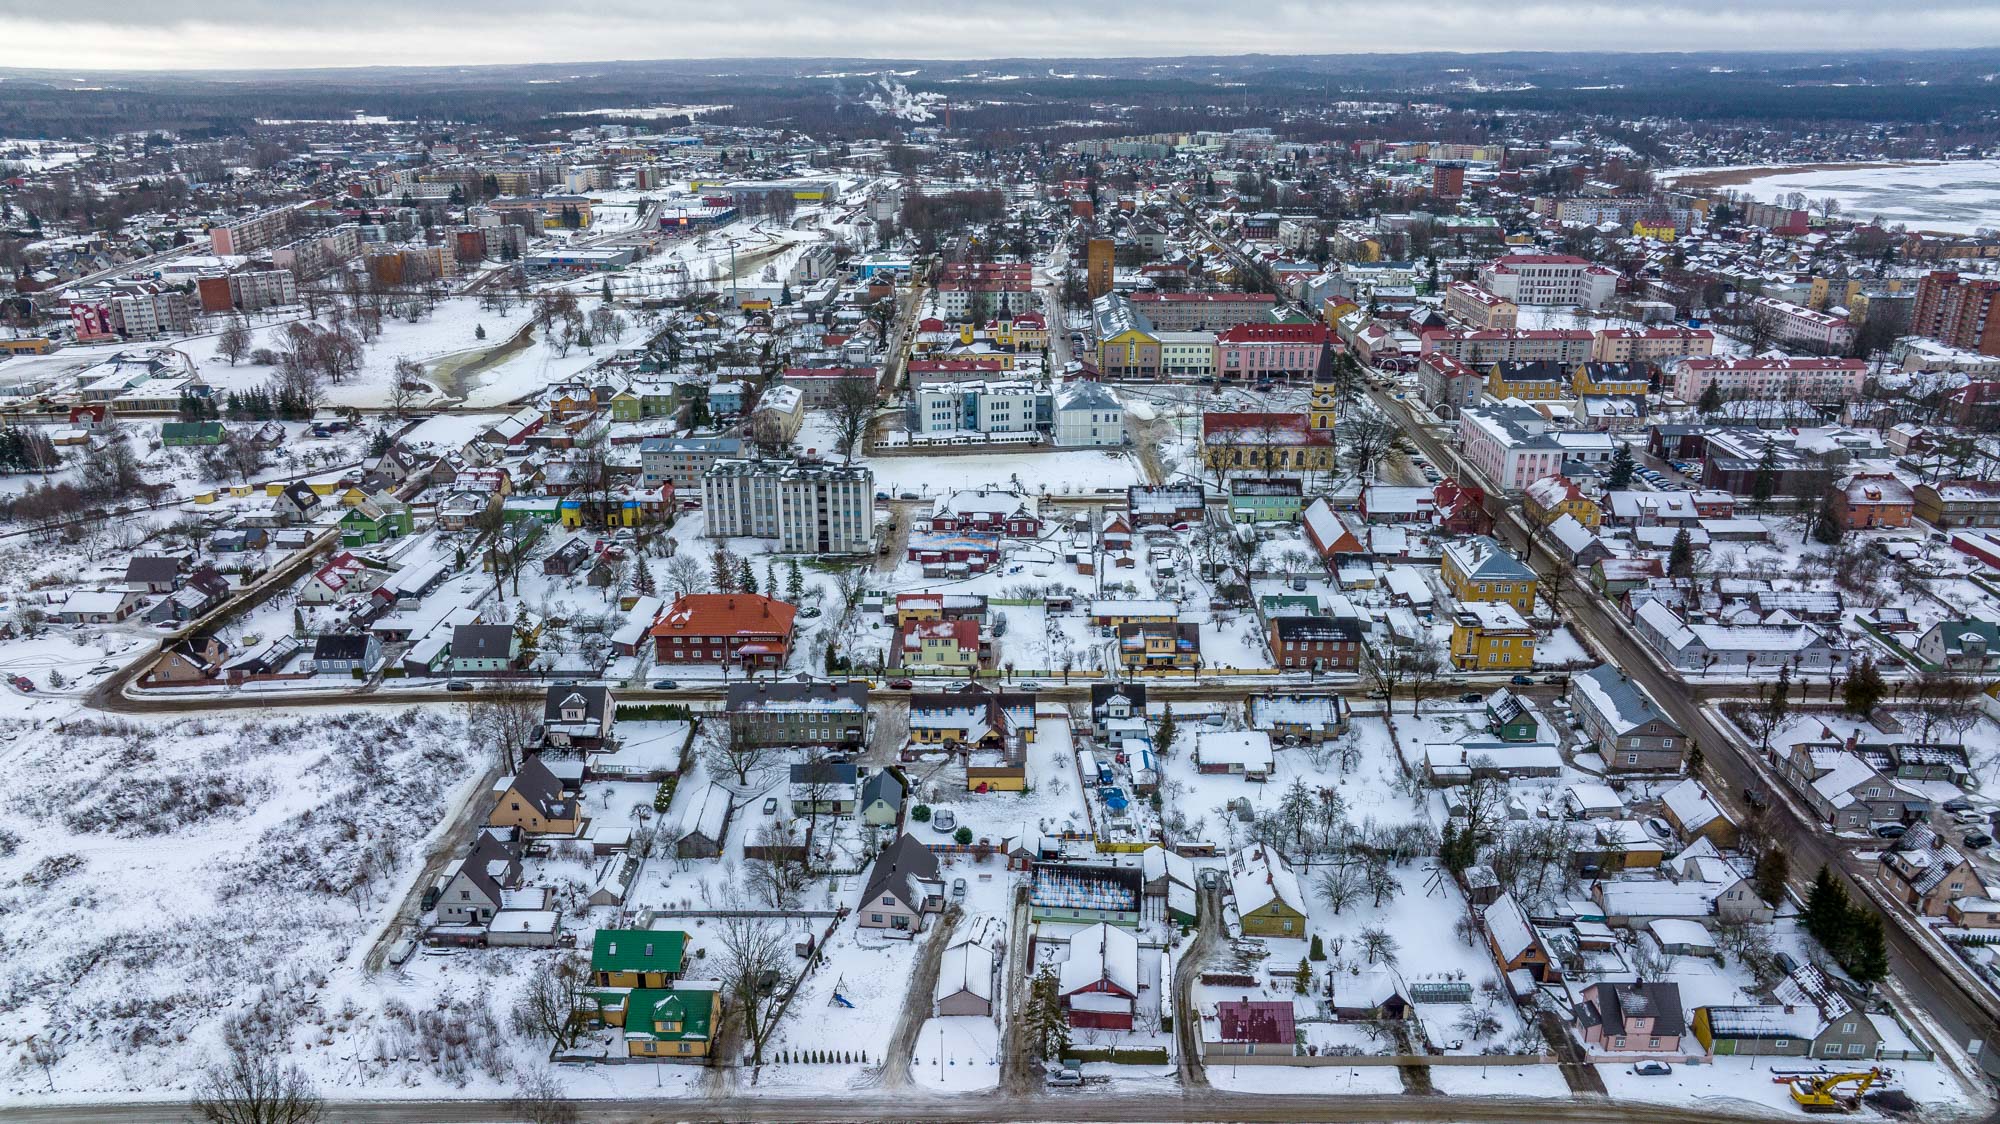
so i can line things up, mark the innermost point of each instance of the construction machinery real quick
(1824, 1093)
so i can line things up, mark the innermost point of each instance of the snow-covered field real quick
(1960, 197)
(169, 882)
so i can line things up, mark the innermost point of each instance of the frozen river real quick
(1961, 197)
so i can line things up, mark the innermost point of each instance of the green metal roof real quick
(653, 1013)
(638, 950)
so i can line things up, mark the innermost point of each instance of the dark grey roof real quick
(901, 863)
(823, 772)
(1100, 694)
(478, 865)
(1661, 1001)
(151, 568)
(797, 696)
(1317, 628)
(482, 641)
(341, 646)
(560, 695)
(884, 785)
(540, 787)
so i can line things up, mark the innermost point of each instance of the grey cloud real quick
(257, 33)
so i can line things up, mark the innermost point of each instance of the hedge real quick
(1154, 1055)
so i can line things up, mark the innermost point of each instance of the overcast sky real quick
(176, 34)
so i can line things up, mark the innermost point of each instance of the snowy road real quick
(1174, 1106)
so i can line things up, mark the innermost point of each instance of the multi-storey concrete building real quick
(808, 506)
(1549, 279)
(1821, 380)
(683, 460)
(1189, 312)
(1796, 324)
(1959, 311)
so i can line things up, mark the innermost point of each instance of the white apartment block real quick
(1549, 279)
(1797, 324)
(1510, 444)
(153, 314)
(810, 508)
(1651, 345)
(976, 407)
(955, 299)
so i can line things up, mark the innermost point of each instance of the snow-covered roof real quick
(1105, 953)
(1248, 748)
(1621, 703)
(1508, 926)
(965, 968)
(1258, 877)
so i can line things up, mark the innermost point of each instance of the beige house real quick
(533, 800)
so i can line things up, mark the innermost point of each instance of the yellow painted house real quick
(1608, 378)
(1662, 231)
(1477, 568)
(1553, 497)
(1541, 381)
(1491, 636)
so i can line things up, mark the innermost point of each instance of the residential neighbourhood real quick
(967, 594)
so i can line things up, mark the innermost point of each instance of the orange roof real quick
(725, 614)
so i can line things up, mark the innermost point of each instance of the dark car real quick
(1653, 1069)
(1523, 680)
(458, 685)
(1978, 839)
(1471, 697)
(901, 684)
(1891, 831)
(665, 685)
(1957, 804)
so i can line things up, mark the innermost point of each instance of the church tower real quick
(1320, 409)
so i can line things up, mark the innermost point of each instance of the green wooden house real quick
(373, 521)
(192, 433)
(1509, 719)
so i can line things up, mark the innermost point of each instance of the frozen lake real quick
(1960, 197)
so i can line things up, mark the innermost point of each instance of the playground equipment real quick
(1823, 1094)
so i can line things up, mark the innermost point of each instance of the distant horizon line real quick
(58, 74)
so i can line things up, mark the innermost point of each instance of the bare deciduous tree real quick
(552, 1000)
(251, 1086)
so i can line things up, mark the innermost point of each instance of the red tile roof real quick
(725, 614)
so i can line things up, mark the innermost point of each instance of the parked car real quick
(665, 685)
(1957, 804)
(1523, 680)
(1028, 685)
(458, 685)
(1471, 697)
(1652, 1069)
(1891, 831)
(770, 805)
(901, 684)
(1064, 1078)
(401, 951)
(944, 819)
(1977, 839)
(958, 889)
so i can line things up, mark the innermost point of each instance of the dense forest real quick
(1040, 99)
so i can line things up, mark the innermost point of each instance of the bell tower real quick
(1320, 407)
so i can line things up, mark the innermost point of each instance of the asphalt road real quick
(1089, 1104)
(1963, 1010)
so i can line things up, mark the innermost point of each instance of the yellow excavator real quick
(1822, 1094)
